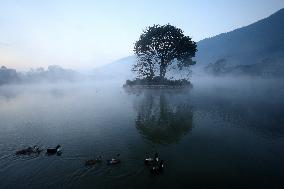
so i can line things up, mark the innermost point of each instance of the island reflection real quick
(163, 117)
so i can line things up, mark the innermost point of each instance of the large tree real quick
(160, 46)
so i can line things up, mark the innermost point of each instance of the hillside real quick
(120, 69)
(248, 45)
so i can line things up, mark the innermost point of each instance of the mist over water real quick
(224, 132)
(224, 129)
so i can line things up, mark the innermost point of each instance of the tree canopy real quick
(160, 46)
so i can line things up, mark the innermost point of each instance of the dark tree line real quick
(52, 74)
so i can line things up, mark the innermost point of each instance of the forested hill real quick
(252, 44)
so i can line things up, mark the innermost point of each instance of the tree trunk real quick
(152, 74)
(162, 69)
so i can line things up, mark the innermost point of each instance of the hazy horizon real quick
(85, 35)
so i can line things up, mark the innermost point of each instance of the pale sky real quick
(86, 34)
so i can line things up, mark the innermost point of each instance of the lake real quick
(222, 133)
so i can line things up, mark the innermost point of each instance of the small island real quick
(160, 50)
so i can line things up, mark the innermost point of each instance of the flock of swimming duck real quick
(38, 150)
(156, 165)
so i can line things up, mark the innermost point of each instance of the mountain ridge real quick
(249, 45)
(265, 37)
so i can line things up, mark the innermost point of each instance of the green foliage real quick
(217, 68)
(160, 46)
(158, 81)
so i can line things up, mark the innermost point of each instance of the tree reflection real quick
(163, 118)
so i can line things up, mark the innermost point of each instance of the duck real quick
(114, 161)
(30, 150)
(94, 161)
(52, 151)
(150, 160)
(158, 168)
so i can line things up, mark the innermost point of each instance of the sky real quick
(83, 34)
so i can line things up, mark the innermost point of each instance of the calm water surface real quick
(219, 134)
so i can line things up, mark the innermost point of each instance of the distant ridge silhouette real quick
(247, 45)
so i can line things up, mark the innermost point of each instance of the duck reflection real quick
(163, 118)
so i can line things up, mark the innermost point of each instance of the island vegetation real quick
(159, 50)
